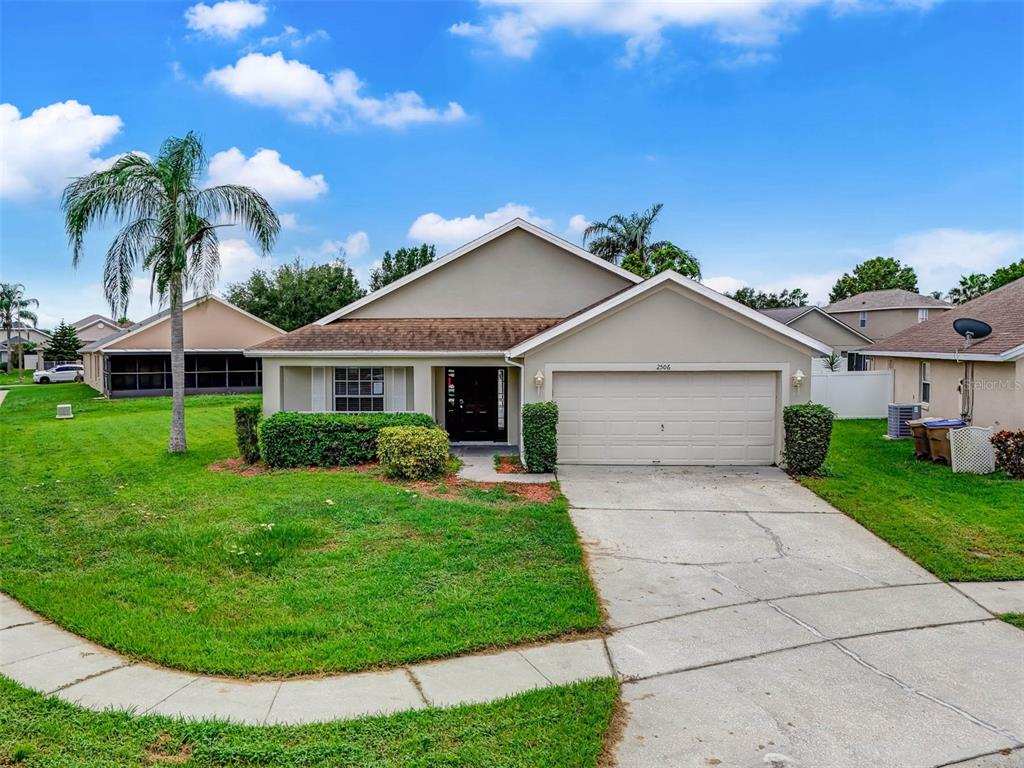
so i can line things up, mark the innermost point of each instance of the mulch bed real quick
(509, 465)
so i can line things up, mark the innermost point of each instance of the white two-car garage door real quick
(666, 417)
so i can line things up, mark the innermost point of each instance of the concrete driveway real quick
(754, 625)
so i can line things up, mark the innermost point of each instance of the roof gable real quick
(890, 298)
(620, 276)
(792, 315)
(727, 305)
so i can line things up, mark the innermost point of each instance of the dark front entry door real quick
(475, 403)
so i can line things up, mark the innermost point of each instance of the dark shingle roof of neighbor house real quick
(785, 315)
(443, 334)
(1003, 309)
(891, 298)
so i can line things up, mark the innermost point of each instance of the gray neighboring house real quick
(880, 314)
(20, 334)
(820, 325)
(94, 327)
(657, 371)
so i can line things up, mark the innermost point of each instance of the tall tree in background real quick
(170, 230)
(977, 284)
(15, 308)
(627, 240)
(754, 299)
(64, 343)
(401, 263)
(293, 295)
(667, 257)
(877, 274)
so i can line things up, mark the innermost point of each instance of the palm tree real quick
(14, 308)
(970, 287)
(170, 231)
(618, 237)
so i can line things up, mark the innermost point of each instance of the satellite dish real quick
(971, 329)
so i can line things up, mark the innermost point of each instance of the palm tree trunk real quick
(177, 443)
(10, 353)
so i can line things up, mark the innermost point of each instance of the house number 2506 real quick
(664, 367)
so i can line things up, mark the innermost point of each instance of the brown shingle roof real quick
(891, 298)
(1003, 309)
(445, 334)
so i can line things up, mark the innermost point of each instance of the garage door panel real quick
(666, 418)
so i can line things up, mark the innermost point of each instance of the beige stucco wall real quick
(287, 383)
(882, 323)
(673, 327)
(207, 325)
(837, 336)
(96, 331)
(998, 397)
(515, 275)
(93, 363)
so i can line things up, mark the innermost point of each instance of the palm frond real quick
(240, 205)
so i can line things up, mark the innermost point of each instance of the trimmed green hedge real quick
(808, 434)
(412, 453)
(247, 421)
(540, 436)
(328, 439)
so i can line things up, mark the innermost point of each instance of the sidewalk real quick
(42, 656)
(478, 465)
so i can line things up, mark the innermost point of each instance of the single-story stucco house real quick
(136, 361)
(931, 361)
(818, 324)
(880, 314)
(661, 371)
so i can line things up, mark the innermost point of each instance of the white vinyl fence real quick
(853, 394)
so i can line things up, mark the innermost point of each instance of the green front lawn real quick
(960, 527)
(556, 727)
(284, 573)
(16, 376)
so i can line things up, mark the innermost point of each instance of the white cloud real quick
(292, 37)
(515, 26)
(817, 284)
(237, 260)
(265, 173)
(434, 228)
(941, 256)
(225, 19)
(577, 224)
(289, 220)
(310, 96)
(355, 245)
(352, 246)
(40, 153)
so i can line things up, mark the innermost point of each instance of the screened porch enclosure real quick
(134, 375)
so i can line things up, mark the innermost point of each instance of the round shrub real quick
(808, 433)
(1009, 448)
(412, 453)
(540, 436)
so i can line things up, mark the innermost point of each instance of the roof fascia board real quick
(957, 356)
(691, 285)
(834, 320)
(472, 246)
(373, 353)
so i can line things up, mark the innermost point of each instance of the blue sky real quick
(787, 142)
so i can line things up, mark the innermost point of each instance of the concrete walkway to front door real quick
(754, 625)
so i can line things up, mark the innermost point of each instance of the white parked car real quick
(59, 373)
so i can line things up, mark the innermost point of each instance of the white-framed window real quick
(862, 319)
(926, 382)
(357, 390)
(922, 314)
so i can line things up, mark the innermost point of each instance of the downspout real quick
(522, 400)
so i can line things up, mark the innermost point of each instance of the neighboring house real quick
(662, 371)
(880, 314)
(20, 334)
(94, 328)
(931, 360)
(136, 361)
(818, 324)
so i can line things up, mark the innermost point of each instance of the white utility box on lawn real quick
(64, 411)
(972, 450)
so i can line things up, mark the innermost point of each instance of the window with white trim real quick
(926, 382)
(862, 319)
(357, 390)
(922, 314)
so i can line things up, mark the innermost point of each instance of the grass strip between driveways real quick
(961, 527)
(558, 727)
(282, 573)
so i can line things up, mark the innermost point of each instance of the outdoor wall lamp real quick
(798, 378)
(538, 379)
